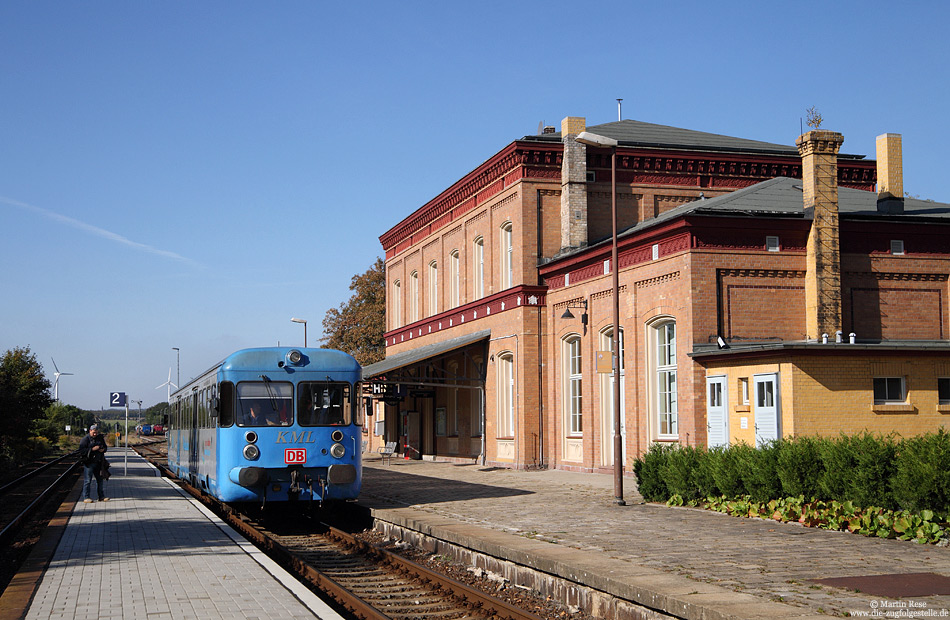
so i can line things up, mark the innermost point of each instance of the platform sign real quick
(117, 399)
(295, 456)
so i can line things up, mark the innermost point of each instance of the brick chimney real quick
(890, 174)
(573, 184)
(819, 151)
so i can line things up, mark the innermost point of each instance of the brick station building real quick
(765, 291)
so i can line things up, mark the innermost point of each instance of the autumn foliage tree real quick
(357, 326)
(24, 397)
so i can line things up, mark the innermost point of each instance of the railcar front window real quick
(264, 403)
(322, 403)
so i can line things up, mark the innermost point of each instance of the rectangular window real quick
(476, 414)
(507, 251)
(666, 380)
(433, 288)
(265, 403)
(454, 279)
(772, 244)
(506, 396)
(575, 387)
(889, 390)
(321, 403)
(478, 268)
(744, 391)
(943, 390)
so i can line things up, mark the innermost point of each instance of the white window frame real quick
(454, 278)
(478, 267)
(889, 398)
(433, 288)
(573, 385)
(664, 384)
(507, 252)
(506, 395)
(413, 296)
(397, 304)
(943, 401)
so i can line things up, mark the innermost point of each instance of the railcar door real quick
(193, 443)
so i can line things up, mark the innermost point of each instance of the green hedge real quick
(868, 470)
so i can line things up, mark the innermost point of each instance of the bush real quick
(648, 470)
(757, 468)
(799, 466)
(677, 472)
(874, 467)
(921, 478)
(726, 466)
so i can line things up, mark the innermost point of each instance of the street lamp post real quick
(178, 353)
(304, 321)
(593, 139)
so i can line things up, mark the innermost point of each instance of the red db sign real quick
(295, 456)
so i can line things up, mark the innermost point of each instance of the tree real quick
(56, 417)
(24, 397)
(357, 326)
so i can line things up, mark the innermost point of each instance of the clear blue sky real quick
(194, 174)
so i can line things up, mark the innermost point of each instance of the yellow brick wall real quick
(890, 166)
(830, 395)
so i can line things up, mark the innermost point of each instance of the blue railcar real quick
(271, 425)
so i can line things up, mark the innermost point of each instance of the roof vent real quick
(549, 129)
(897, 247)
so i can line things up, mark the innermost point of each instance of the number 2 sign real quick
(117, 399)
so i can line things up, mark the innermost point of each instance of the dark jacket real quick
(90, 456)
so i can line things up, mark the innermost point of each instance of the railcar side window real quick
(323, 403)
(226, 404)
(264, 403)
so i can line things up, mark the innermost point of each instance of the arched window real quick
(478, 267)
(397, 304)
(663, 363)
(607, 396)
(433, 288)
(413, 296)
(506, 394)
(573, 392)
(507, 251)
(454, 278)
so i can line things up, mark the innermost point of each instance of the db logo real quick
(295, 456)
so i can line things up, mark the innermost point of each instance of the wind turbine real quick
(57, 375)
(168, 384)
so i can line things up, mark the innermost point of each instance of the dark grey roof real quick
(812, 346)
(782, 197)
(421, 353)
(638, 133)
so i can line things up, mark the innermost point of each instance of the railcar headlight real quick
(295, 356)
(337, 451)
(251, 452)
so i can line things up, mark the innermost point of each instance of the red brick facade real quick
(711, 277)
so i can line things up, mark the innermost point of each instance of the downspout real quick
(541, 415)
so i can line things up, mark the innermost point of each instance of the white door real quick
(766, 409)
(623, 420)
(717, 418)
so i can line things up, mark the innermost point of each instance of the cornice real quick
(479, 310)
(517, 161)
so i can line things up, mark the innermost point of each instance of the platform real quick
(682, 562)
(153, 552)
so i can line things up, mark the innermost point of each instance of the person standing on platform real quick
(92, 451)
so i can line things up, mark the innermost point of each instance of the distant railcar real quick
(271, 425)
(146, 430)
(158, 429)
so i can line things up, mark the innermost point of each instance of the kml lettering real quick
(295, 437)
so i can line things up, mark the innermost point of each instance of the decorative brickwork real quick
(573, 185)
(819, 150)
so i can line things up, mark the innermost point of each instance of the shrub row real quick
(869, 470)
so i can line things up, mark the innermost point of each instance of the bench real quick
(387, 451)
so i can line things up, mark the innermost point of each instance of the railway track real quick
(365, 581)
(21, 498)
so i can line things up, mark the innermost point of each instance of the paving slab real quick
(688, 562)
(152, 552)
